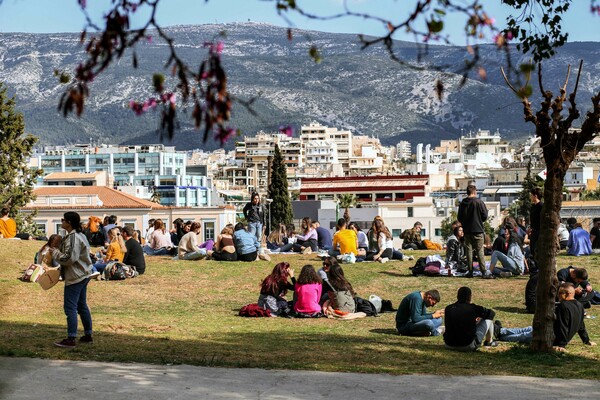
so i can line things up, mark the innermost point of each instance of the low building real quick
(52, 202)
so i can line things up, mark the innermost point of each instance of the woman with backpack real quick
(274, 288)
(340, 292)
(308, 293)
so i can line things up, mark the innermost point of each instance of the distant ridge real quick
(363, 91)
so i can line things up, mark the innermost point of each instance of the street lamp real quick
(269, 201)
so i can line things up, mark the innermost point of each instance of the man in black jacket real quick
(568, 322)
(472, 213)
(468, 325)
(135, 253)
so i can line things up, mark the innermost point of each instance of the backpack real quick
(432, 268)
(116, 271)
(419, 267)
(95, 238)
(364, 305)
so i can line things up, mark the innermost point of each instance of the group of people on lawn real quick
(325, 292)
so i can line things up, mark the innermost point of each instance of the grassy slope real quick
(186, 312)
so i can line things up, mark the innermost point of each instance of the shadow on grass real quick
(397, 274)
(385, 331)
(516, 310)
(296, 347)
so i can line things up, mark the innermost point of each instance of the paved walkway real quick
(26, 378)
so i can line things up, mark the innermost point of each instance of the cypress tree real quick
(16, 177)
(281, 207)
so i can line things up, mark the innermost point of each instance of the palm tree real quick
(346, 201)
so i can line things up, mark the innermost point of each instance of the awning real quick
(490, 191)
(509, 190)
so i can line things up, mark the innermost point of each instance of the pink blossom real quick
(287, 130)
(223, 135)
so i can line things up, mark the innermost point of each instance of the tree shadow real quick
(385, 331)
(516, 310)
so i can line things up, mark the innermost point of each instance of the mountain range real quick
(361, 90)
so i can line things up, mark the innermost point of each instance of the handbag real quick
(49, 277)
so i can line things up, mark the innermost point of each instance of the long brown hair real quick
(308, 275)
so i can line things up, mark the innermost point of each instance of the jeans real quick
(426, 327)
(397, 255)
(519, 335)
(255, 228)
(194, 255)
(75, 303)
(475, 241)
(508, 264)
(484, 333)
(99, 267)
(155, 252)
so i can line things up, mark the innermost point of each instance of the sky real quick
(49, 16)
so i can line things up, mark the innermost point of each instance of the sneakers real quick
(95, 275)
(487, 275)
(505, 274)
(493, 343)
(383, 260)
(264, 257)
(410, 258)
(307, 250)
(497, 328)
(68, 343)
(86, 339)
(441, 330)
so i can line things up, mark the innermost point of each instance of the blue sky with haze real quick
(45, 16)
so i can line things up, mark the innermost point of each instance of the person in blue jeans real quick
(412, 318)
(73, 255)
(254, 212)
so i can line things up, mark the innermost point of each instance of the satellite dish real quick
(505, 163)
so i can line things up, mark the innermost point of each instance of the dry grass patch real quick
(186, 312)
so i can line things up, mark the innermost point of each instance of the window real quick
(41, 226)
(125, 222)
(438, 231)
(209, 230)
(396, 232)
(60, 230)
(411, 213)
(441, 213)
(423, 232)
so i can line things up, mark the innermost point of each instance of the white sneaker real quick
(307, 250)
(410, 258)
(383, 260)
(264, 257)
(95, 275)
(441, 329)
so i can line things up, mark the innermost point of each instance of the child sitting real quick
(308, 293)
(274, 288)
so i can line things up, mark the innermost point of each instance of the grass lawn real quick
(186, 312)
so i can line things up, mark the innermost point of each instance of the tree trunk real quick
(545, 255)
(347, 215)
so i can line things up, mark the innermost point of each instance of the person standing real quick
(595, 234)
(472, 213)
(254, 212)
(535, 195)
(74, 257)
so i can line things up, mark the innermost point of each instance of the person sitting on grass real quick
(363, 241)
(307, 292)
(411, 238)
(135, 254)
(340, 292)
(115, 252)
(385, 245)
(468, 325)
(345, 241)
(224, 246)
(455, 250)
(44, 257)
(247, 245)
(306, 242)
(160, 241)
(412, 318)
(569, 321)
(578, 277)
(324, 238)
(579, 243)
(188, 244)
(513, 262)
(274, 288)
